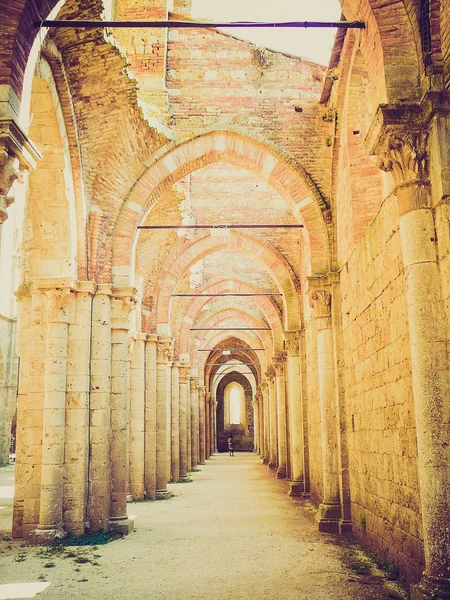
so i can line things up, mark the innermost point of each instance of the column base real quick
(265, 460)
(345, 527)
(431, 588)
(296, 489)
(281, 473)
(130, 498)
(328, 518)
(122, 525)
(272, 465)
(42, 536)
(150, 495)
(162, 494)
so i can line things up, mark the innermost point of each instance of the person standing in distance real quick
(231, 445)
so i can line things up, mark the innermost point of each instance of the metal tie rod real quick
(219, 295)
(200, 25)
(256, 226)
(230, 329)
(229, 365)
(230, 349)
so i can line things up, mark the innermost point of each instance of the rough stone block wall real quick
(380, 418)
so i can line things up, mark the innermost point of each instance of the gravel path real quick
(231, 533)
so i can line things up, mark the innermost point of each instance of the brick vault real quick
(202, 237)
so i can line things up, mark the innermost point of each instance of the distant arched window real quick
(235, 406)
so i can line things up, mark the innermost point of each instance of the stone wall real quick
(379, 405)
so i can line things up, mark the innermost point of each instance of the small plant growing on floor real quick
(49, 565)
(362, 522)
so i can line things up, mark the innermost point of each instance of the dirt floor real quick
(232, 532)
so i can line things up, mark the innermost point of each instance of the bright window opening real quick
(235, 407)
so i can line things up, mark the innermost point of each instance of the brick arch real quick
(390, 43)
(50, 240)
(176, 161)
(215, 341)
(356, 204)
(247, 320)
(261, 252)
(267, 307)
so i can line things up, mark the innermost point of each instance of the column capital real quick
(202, 391)
(151, 337)
(184, 372)
(278, 363)
(163, 349)
(105, 289)
(404, 153)
(264, 387)
(292, 339)
(320, 301)
(270, 376)
(17, 153)
(128, 294)
(194, 383)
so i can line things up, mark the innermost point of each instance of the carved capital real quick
(202, 391)
(194, 384)
(59, 305)
(184, 372)
(320, 301)
(278, 364)
(163, 349)
(16, 154)
(292, 343)
(264, 388)
(405, 155)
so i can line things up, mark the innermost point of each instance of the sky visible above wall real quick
(315, 44)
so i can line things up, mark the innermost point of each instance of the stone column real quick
(137, 418)
(297, 486)
(121, 304)
(59, 307)
(100, 411)
(255, 405)
(76, 447)
(162, 415)
(279, 366)
(214, 430)
(201, 424)
(329, 512)
(208, 424)
(405, 154)
(273, 458)
(194, 421)
(188, 425)
(184, 375)
(150, 417)
(266, 419)
(175, 438)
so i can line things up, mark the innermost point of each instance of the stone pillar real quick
(162, 415)
(121, 304)
(270, 376)
(194, 422)
(100, 411)
(279, 366)
(150, 417)
(77, 418)
(175, 438)
(405, 154)
(59, 307)
(214, 430)
(184, 374)
(188, 425)
(137, 418)
(255, 404)
(208, 424)
(297, 486)
(266, 419)
(201, 424)
(329, 512)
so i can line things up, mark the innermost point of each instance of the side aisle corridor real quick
(231, 533)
